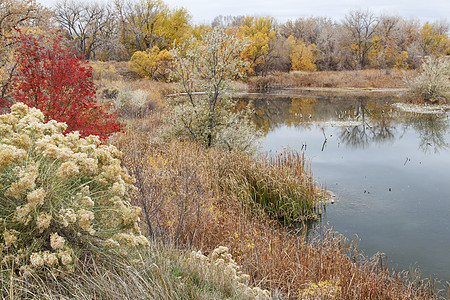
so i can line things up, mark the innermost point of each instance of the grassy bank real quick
(202, 198)
(362, 79)
(197, 199)
(356, 79)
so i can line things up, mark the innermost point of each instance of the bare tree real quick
(361, 27)
(388, 35)
(323, 32)
(305, 29)
(138, 23)
(441, 27)
(87, 24)
(227, 21)
(15, 14)
(409, 40)
(328, 45)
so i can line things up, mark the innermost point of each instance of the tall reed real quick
(327, 266)
(281, 185)
(277, 259)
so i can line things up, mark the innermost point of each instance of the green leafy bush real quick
(61, 196)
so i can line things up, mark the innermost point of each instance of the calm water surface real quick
(389, 170)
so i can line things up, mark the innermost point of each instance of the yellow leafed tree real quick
(260, 31)
(173, 27)
(303, 56)
(433, 42)
(149, 23)
(401, 61)
(385, 54)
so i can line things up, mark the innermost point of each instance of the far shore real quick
(371, 82)
(322, 91)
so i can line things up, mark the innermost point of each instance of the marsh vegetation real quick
(174, 199)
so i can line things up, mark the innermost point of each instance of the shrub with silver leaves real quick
(433, 82)
(204, 110)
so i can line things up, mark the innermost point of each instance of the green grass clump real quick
(280, 185)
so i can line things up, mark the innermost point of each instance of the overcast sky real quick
(204, 11)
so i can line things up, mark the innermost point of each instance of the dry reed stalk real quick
(274, 257)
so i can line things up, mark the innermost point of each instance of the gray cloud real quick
(204, 11)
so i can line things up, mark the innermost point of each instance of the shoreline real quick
(319, 91)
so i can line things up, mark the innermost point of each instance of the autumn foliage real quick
(55, 80)
(153, 63)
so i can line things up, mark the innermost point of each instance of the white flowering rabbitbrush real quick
(59, 194)
(222, 263)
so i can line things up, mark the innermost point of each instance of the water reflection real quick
(361, 121)
(431, 130)
(363, 135)
(381, 162)
(376, 125)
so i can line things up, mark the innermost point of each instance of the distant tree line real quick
(144, 32)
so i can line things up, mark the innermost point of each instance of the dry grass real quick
(111, 70)
(377, 79)
(200, 199)
(113, 79)
(162, 88)
(133, 98)
(118, 73)
(194, 196)
(159, 272)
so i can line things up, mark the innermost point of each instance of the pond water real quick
(389, 169)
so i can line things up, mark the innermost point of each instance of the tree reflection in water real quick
(431, 130)
(361, 121)
(376, 126)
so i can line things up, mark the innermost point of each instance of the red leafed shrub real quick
(54, 79)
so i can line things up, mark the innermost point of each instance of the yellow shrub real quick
(153, 63)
